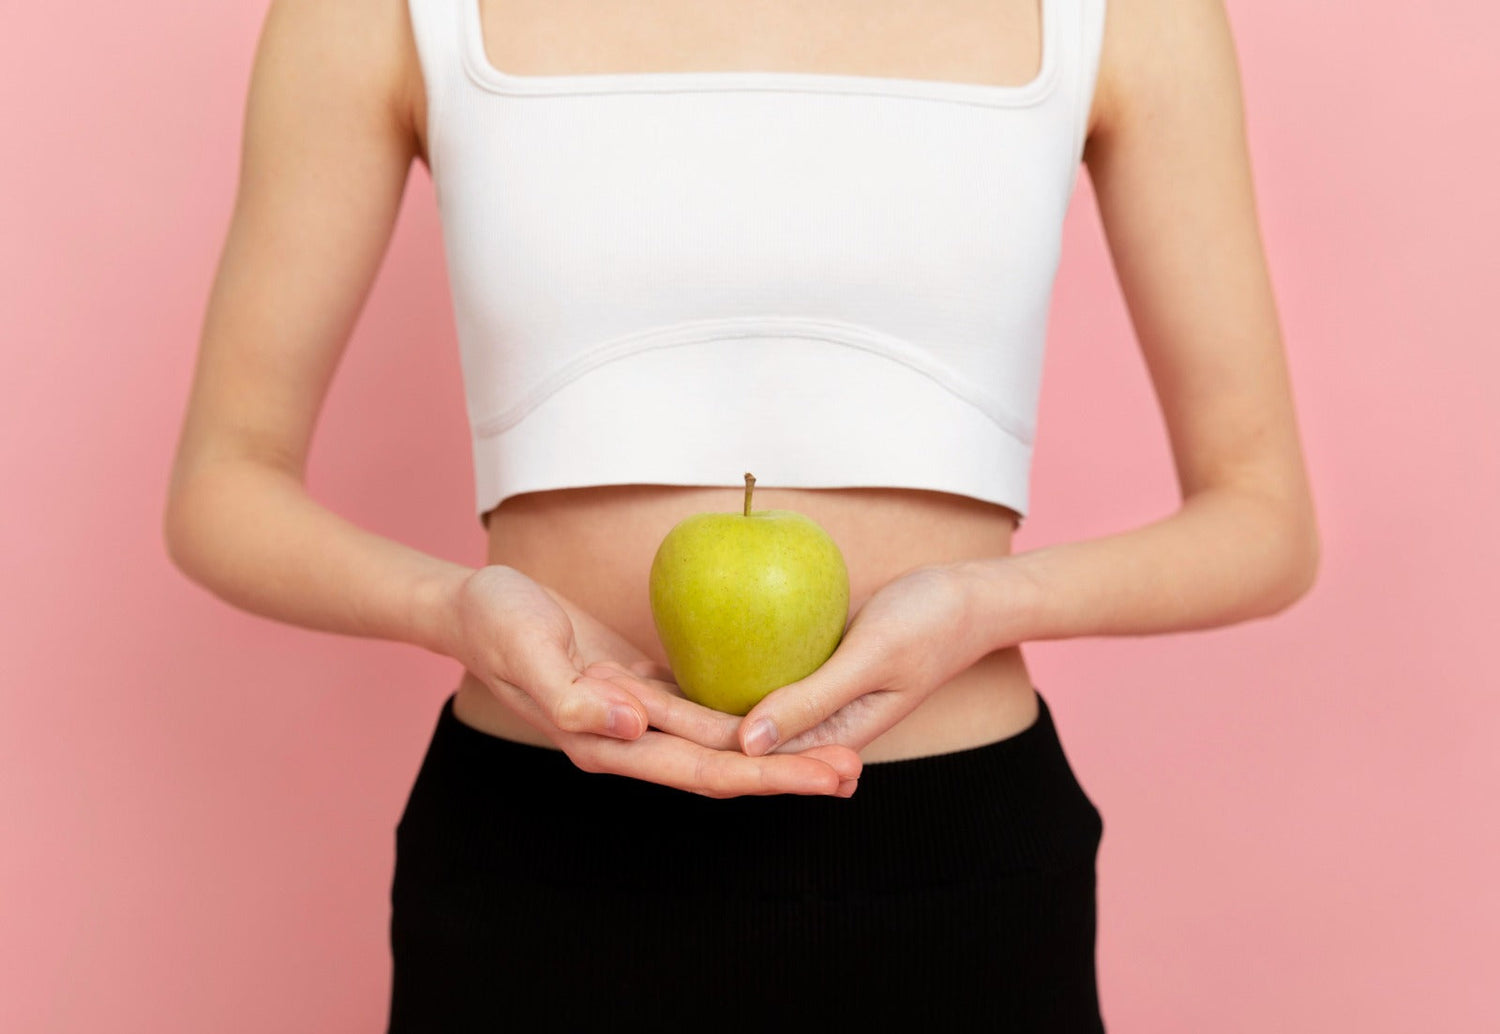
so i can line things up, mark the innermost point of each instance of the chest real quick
(887, 163)
(976, 41)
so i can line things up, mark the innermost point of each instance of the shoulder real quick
(1153, 49)
(340, 48)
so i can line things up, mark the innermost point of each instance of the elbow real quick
(177, 533)
(1281, 549)
(1299, 571)
(1299, 582)
(209, 513)
(188, 524)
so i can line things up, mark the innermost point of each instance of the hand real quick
(517, 638)
(610, 656)
(908, 638)
(596, 641)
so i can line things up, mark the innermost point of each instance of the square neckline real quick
(484, 73)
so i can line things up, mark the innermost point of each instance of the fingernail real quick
(847, 787)
(762, 737)
(622, 722)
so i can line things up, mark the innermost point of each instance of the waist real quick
(594, 545)
(990, 701)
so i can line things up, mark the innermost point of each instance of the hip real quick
(957, 885)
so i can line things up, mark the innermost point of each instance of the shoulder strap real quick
(1084, 43)
(437, 26)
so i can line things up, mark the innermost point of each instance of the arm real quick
(1224, 557)
(1170, 166)
(330, 132)
(320, 188)
(1168, 157)
(328, 141)
(249, 532)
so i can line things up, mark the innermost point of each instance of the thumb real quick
(575, 702)
(798, 707)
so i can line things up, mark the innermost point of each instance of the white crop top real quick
(828, 280)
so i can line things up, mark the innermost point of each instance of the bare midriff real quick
(595, 546)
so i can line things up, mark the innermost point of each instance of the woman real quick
(688, 241)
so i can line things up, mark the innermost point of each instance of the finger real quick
(652, 670)
(608, 668)
(671, 712)
(847, 763)
(858, 723)
(852, 671)
(643, 668)
(660, 757)
(575, 702)
(667, 709)
(675, 713)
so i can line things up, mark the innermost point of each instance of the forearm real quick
(1221, 558)
(250, 534)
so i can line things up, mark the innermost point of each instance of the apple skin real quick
(747, 603)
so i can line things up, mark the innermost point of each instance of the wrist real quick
(1002, 597)
(434, 622)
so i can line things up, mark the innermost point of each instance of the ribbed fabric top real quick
(829, 280)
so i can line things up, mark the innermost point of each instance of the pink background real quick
(197, 805)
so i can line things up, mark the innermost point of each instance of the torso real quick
(595, 545)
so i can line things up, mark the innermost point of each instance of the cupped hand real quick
(910, 637)
(517, 638)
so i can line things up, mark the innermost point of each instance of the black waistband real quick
(973, 814)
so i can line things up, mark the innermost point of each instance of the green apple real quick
(745, 603)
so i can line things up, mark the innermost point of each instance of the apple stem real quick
(749, 487)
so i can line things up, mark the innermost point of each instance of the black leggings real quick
(954, 891)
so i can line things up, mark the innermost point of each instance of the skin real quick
(554, 633)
